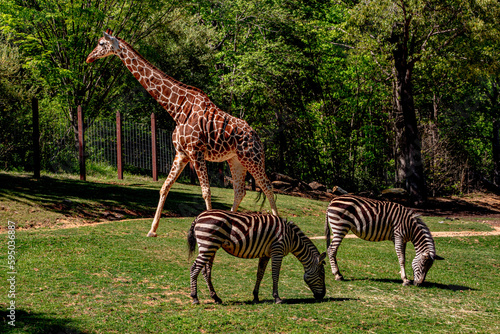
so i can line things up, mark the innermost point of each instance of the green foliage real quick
(316, 79)
(56, 37)
(15, 114)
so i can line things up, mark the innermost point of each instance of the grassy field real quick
(110, 278)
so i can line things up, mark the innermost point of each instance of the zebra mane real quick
(420, 222)
(302, 236)
(429, 241)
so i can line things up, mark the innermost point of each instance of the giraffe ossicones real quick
(203, 131)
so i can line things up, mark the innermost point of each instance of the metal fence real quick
(101, 145)
(60, 149)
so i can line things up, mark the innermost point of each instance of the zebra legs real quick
(203, 263)
(400, 246)
(277, 257)
(263, 261)
(207, 274)
(332, 254)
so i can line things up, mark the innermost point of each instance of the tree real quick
(16, 92)
(267, 75)
(399, 35)
(461, 90)
(56, 37)
(481, 52)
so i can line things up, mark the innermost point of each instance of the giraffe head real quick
(108, 45)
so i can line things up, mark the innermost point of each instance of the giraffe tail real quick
(259, 197)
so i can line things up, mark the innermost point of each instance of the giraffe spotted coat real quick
(203, 131)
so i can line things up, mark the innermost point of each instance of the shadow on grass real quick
(447, 286)
(426, 284)
(92, 200)
(35, 323)
(291, 301)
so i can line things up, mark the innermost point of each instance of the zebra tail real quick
(191, 240)
(327, 231)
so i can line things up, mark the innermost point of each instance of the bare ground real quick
(446, 234)
(475, 206)
(63, 203)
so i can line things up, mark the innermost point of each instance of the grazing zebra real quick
(374, 220)
(253, 236)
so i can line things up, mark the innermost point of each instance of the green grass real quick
(440, 224)
(58, 200)
(110, 278)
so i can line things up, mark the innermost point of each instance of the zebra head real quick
(421, 265)
(314, 276)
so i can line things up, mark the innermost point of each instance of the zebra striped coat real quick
(252, 236)
(375, 220)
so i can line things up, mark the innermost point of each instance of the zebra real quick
(375, 220)
(249, 236)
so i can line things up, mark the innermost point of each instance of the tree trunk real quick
(282, 142)
(496, 152)
(410, 170)
(493, 94)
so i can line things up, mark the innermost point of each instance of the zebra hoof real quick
(339, 277)
(255, 301)
(152, 235)
(195, 301)
(406, 283)
(278, 301)
(217, 300)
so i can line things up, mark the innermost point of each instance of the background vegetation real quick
(364, 95)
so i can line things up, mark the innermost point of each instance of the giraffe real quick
(203, 132)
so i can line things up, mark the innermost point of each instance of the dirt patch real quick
(481, 204)
(477, 204)
(467, 233)
(446, 234)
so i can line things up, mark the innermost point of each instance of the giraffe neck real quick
(174, 96)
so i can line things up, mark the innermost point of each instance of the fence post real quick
(36, 138)
(153, 147)
(119, 152)
(81, 144)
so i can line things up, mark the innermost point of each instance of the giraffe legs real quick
(238, 173)
(200, 166)
(259, 174)
(178, 165)
(267, 188)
